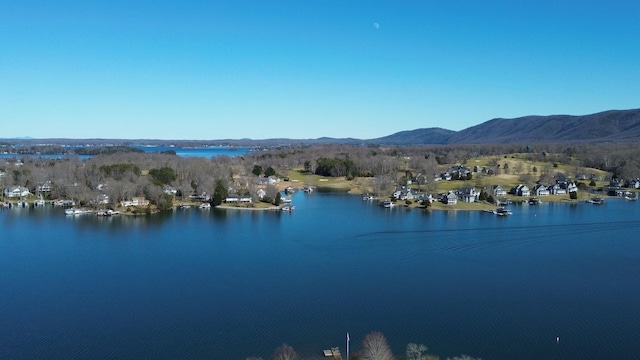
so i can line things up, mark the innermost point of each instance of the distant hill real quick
(613, 125)
(435, 136)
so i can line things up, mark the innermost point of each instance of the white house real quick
(16, 191)
(469, 194)
(522, 190)
(541, 190)
(136, 201)
(557, 190)
(498, 190)
(452, 198)
(272, 180)
(45, 187)
(238, 199)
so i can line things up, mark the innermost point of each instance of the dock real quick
(334, 353)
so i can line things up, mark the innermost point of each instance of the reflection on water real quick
(223, 284)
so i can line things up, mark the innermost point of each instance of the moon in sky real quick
(376, 25)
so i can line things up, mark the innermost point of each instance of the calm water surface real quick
(206, 152)
(218, 284)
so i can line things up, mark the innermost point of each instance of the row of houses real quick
(561, 188)
(471, 194)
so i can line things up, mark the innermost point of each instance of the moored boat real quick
(596, 201)
(501, 211)
(287, 208)
(387, 204)
(74, 211)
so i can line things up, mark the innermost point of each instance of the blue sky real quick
(307, 69)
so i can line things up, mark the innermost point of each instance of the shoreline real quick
(228, 207)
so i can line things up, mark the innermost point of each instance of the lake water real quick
(195, 284)
(206, 152)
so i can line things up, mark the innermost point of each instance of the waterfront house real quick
(634, 183)
(404, 193)
(45, 187)
(557, 190)
(572, 187)
(135, 201)
(16, 191)
(498, 190)
(200, 197)
(451, 198)
(261, 193)
(521, 190)
(541, 190)
(238, 199)
(615, 183)
(468, 194)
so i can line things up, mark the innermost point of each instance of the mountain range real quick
(606, 126)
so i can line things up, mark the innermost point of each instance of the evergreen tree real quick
(219, 193)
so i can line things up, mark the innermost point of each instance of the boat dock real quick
(334, 353)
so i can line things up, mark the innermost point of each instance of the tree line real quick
(123, 175)
(374, 347)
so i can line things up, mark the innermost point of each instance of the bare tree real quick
(415, 351)
(285, 352)
(375, 347)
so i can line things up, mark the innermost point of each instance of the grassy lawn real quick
(517, 165)
(299, 179)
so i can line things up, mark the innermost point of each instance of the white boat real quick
(596, 201)
(367, 197)
(108, 212)
(631, 196)
(205, 205)
(387, 204)
(38, 202)
(287, 208)
(73, 211)
(501, 212)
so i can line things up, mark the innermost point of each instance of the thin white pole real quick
(347, 346)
